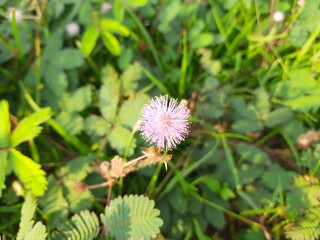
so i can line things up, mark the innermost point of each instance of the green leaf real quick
(38, 232)
(56, 80)
(212, 183)
(214, 217)
(96, 126)
(279, 116)
(276, 176)
(202, 40)
(53, 203)
(304, 103)
(68, 58)
(5, 125)
(111, 43)
(27, 212)
(3, 168)
(136, 3)
(109, 94)
(120, 139)
(72, 122)
(110, 25)
(88, 40)
(78, 168)
(262, 103)
(130, 111)
(78, 199)
(244, 126)
(79, 100)
(28, 128)
(132, 217)
(130, 77)
(307, 227)
(83, 226)
(118, 10)
(29, 172)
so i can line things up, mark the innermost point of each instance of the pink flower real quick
(164, 122)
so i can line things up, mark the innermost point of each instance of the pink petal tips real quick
(164, 122)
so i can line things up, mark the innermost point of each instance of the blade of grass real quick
(226, 211)
(147, 38)
(163, 89)
(184, 65)
(179, 175)
(235, 173)
(16, 36)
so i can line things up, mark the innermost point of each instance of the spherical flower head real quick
(17, 13)
(278, 16)
(105, 7)
(73, 29)
(164, 122)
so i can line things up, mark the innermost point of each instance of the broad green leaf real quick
(27, 212)
(121, 139)
(215, 217)
(109, 94)
(53, 45)
(38, 232)
(111, 43)
(28, 128)
(118, 10)
(3, 168)
(110, 25)
(56, 80)
(68, 58)
(130, 111)
(136, 3)
(5, 125)
(212, 183)
(132, 217)
(130, 77)
(79, 100)
(88, 40)
(29, 172)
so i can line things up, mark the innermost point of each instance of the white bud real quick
(18, 14)
(73, 29)
(278, 16)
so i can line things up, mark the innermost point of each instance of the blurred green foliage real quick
(71, 98)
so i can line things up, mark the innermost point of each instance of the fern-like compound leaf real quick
(29, 127)
(83, 226)
(132, 217)
(27, 212)
(29, 172)
(38, 232)
(307, 228)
